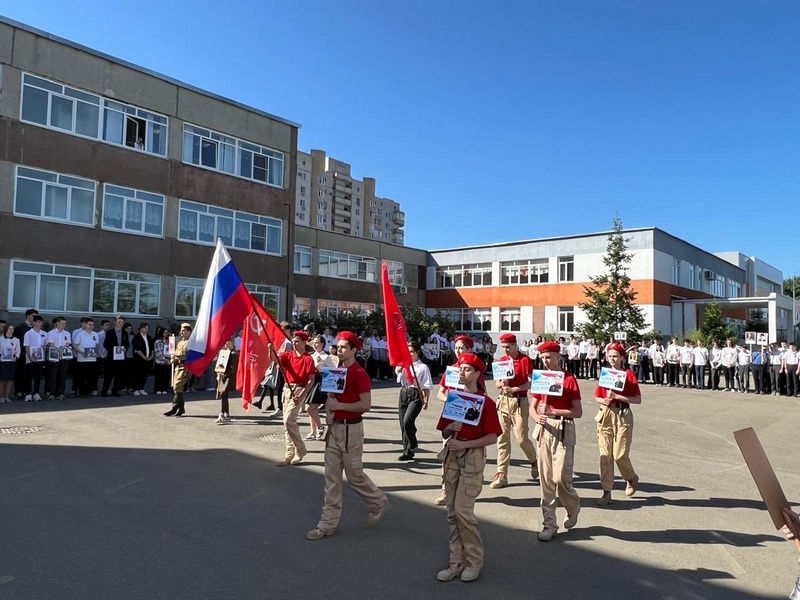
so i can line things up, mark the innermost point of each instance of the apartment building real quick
(116, 181)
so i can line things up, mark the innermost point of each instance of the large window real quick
(566, 268)
(57, 106)
(464, 275)
(133, 211)
(301, 306)
(396, 272)
(676, 271)
(188, 294)
(302, 260)
(346, 266)
(734, 289)
(521, 272)
(203, 224)
(206, 148)
(54, 197)
(566, 319)
(509, 319)
(268, 295)
(333, 308)
(468, 319)
(61, 288)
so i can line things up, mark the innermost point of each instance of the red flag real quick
(259, 330)
(395, 328)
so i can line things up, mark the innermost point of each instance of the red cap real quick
(351, 338)
(508, 338)
(468, 341)
(549, 347)
(470, 359)
(301, 334)
(618, 347)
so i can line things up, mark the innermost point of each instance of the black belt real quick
(518, 396)
(348, 421)
(559, 418)
(620, 405)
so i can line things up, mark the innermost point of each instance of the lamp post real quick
(289, 259)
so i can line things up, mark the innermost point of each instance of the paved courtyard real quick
(106, 498)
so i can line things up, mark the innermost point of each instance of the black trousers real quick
(730, 377)
(672, 373)
(408, 408)
(84, 379)
(35, 371)
(141, 371)
(115, 370)
(56, 377)
(759, 379)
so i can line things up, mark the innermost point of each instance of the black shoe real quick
(409, 456)
(181, 412)
(258, 404)
(171, 411)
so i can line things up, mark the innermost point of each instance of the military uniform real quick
(180, 376)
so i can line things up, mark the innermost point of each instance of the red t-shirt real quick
(357, 383)
(299, 369)
(631, 388)
(523, 366)
(489, 423)
(570, 392)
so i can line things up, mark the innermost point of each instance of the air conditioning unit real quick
(709, 275)
(403, 289)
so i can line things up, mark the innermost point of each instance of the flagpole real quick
(269, 342)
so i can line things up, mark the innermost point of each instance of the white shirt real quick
(776, 356)
(673, 354)
(716, 357)
(59, 339)
(101, 337)
(790, 357)
(657, 356)
(687, 352)
(584, 346)
(9, 345)
(573, 350)
(700, 356)
(744, 356)
(729, 356)
(85, 340)
(423, 376)
(237, 343)
(591, 354)
(34, 339)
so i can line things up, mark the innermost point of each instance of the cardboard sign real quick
(452, 378)
(119, 353)
(222, 359)
(620, 336)
(171, 345)
(762, 339)
(463, 407)
(612, 379)
(763, 474)
(749, 337)
(333, 380)
(549, 383)
(503, 369)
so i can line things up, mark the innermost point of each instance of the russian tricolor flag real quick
(223, 309)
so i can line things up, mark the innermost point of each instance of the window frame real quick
(134, 198)
(567, 263)
(59, 185)
(568, 313)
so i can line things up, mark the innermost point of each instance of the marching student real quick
(180, 374)
(465, 459)
(226, 381)
(410, 403)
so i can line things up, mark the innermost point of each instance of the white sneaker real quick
(310, 436)
(36, 397)
(227, 417)
(220, 419)
(275, 413)
(545, 535)
(136, 393)
(28, 398)
(142, 393)
(4, 400)
(94, 393)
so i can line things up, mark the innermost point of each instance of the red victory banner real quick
(395, 328)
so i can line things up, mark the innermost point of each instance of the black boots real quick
(177, 409)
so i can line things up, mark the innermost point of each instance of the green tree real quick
(793, 283)
(757, 321)
(611, 301)
(714, 327)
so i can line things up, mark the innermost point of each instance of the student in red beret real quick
(555, 434)
(513, 407)
(464, 462)
(615, 427)
(299, 369)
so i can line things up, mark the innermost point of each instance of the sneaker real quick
(142, 393)
(320, 434)
(441, 500)
(275, 413)
(377, 515)
(604, 500)
(498, 481)
(630, 490)
(136, 393)
(310, 436)
(227, 417)
(60, 397)
(94, 393)
(317, 534)
(470, 573)
(298, 458)
(28, 398)
(451, 572)
(545, 535)
(220, 419)
(534, 472)
(570, 521)
(36, 397)
(405, 457)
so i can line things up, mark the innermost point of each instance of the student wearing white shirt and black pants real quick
(790, 360)
(411, 403)
(87, 346)
(57, 338)
(34, 342)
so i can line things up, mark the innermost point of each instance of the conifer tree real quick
(610, 299)
(714, 327)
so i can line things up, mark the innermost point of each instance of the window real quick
(468, 319)
(61, 288)
(333, 308)
(54, 197)
(566, 268)
(464, 275)
(566, 319)
(206, 148)
(301, 306)
(734, 289)
(346, 266)
(676, 271)
(521, 272)
(133, 211)
(268, 295)
(188, 294)
(302, 260)
(717, 286)
(204, 224)
(61, 107)
(302, 190)
(320, 219)
(396, 272)
(509, 319)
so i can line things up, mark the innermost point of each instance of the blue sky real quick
(511, 120)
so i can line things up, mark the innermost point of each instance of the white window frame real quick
(360, 268)
(565, 265)
(511, 315)
(59, 181)
(190, 286)
(234, 163)
(268, 295)
(237, 219)
(133, 196)
(396, 272)
(459, 274)
(565, 315)
(301, 252)
(533, 269)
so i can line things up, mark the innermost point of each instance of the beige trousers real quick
(513, 413)
(556, 459)
(343, 451)
(614, 436)
(291, 412)
(463, 478)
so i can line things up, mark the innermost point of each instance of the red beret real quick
(619, 348)
(471, 360)
(549, 347)
(301, 334)
(508, 338)
(468, 341)
(350, 338)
